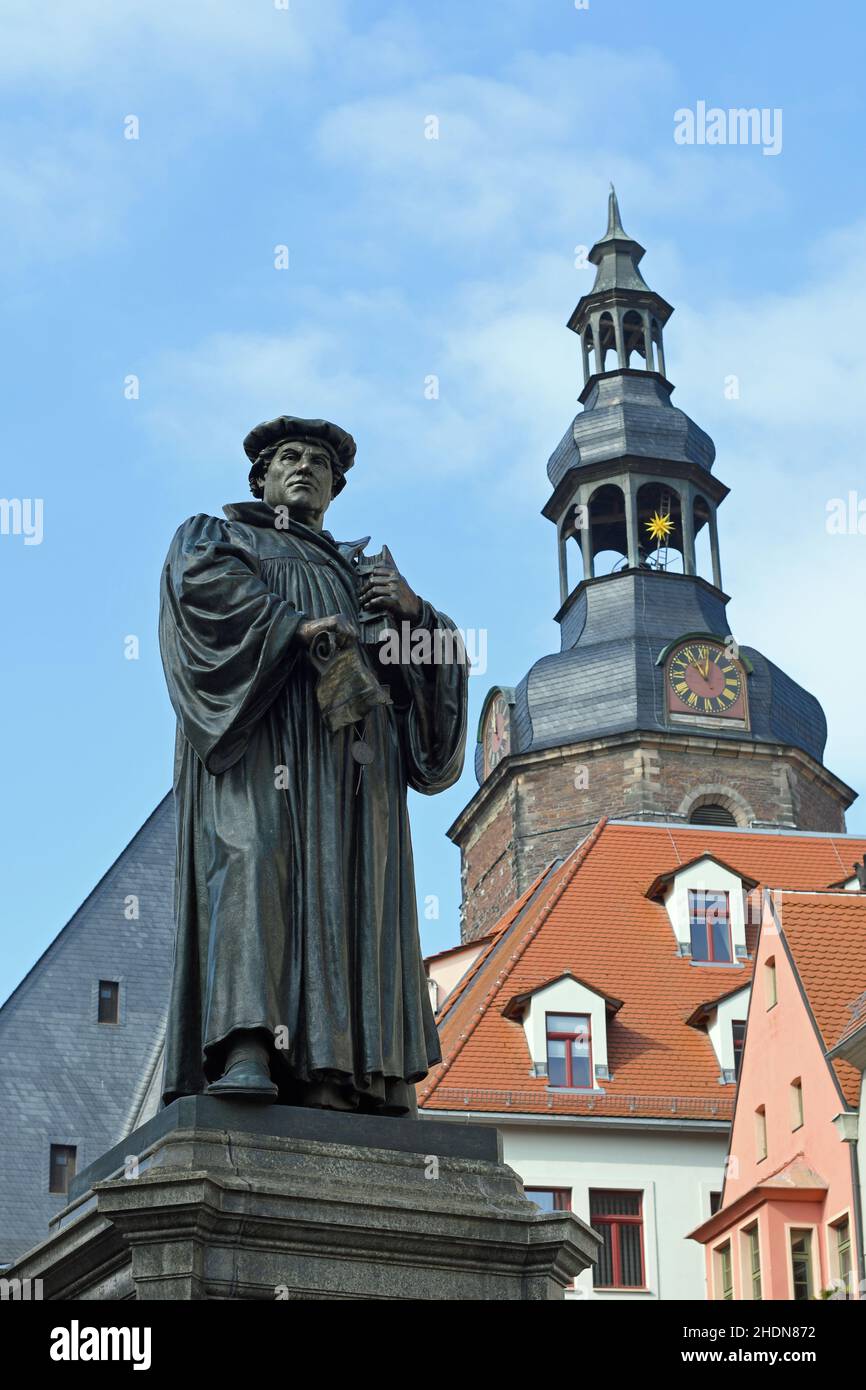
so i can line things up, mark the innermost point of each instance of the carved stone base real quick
(223, 1200)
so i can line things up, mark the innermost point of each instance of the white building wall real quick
(676, 1170)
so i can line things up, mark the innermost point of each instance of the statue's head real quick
(299, 464)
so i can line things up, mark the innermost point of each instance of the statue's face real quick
(299, 477)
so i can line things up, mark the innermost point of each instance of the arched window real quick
(633, 335)
(660, 529)
(606, 340)
(607, 529)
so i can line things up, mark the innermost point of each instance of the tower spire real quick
(621, 314)
(614, 223)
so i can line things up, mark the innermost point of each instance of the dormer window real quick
(705, 900)
(710, 926)
(565, 1023)
(569, 1050)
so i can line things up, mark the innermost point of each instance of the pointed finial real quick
(614, 224)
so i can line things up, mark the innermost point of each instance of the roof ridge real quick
(579, 854)
(491, 940)
(76, 914)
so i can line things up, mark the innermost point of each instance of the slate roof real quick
(606, 680)
(592, 917)
(65, 1078)
(628, 413)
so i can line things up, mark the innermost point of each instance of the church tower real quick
(651, 710)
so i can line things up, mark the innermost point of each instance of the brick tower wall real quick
(541, 806)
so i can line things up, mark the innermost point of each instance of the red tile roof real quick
(591, 917)
(826, 933)
(856, 1021)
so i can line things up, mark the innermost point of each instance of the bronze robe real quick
(295, 906)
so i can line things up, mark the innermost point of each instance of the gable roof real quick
(826, 937)
(591, 917)
(662, 881)
(516, 1003)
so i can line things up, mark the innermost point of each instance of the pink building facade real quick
(789, 1226)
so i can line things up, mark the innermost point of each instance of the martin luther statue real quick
(298, 973)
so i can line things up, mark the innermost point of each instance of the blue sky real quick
(304, 126)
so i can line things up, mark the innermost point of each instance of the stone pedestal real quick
(226, 1200)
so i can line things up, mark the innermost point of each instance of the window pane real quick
(755, 1263)
(721, 937)
(566, 1023)
(580, 1063)
(700, 949)
(602, 1271)
(614, 1204)
(739, 1035)
(550, 1198)
(630, 1255)
(556, 1061)
(544, 1198)
(801, 1246)
(61, 1167)
(109, 992)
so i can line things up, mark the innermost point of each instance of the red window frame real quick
(701, 919)
(615, 1221)
(569, 1083)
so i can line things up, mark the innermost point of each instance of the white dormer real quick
(706, 904)
(724, 1020)
(565, 1025)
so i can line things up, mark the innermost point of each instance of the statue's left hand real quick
(386, 591)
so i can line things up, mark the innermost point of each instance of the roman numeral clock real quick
(704, 683)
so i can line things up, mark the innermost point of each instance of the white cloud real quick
(514, 165)
(73, 43)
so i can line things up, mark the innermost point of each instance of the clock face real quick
(705, 682)
(497, 733)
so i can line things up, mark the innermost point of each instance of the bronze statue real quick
(298, 973)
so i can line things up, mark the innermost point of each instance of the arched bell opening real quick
(608, 540)
(572, 567)
(660, 528)
(634, 338)
(606, 340)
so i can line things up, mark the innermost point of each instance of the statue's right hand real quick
(339, 625)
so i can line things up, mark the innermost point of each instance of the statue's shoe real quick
(244, 1079)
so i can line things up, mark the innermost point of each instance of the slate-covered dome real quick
(609, 680)
(630, 414)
